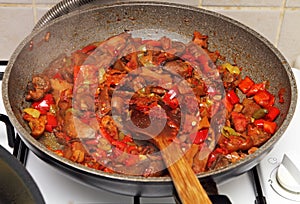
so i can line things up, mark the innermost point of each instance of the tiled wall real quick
(277, 20)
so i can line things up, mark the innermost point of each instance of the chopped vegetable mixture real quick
(91, 104)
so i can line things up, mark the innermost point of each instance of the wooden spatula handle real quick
(185, 181)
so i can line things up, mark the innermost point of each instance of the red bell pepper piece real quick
(106, 135)
(200, 136)
(43, 105)
(264, 98)
(228, 104)
(120, 145)
(255, 88)
(170, 98)
(246, 84)
(272, 114)
(233, 97)
(76, 70)
(211, 159)
(259, 123)
(57, 76)
(214, 155)
(131, 148)
(88, 48)
(268, 126)
(51, 122)
(127, 139)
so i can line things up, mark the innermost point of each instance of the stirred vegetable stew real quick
(92, 107)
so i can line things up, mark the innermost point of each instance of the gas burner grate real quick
(20, 150)
(2, 63)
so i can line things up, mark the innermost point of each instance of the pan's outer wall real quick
(239, 44)
(16, 184)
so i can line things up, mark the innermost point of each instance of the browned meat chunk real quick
(179, 67)
(258, 135)
(249, 107)
(37, 125)
(38, 87)
(239, 121)
(103, 102)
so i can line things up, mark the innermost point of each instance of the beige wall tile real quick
(186, 2)
(263, 21)
(47, 1)
(241, 2)
(262, 16)
(289, 41)
(293, 3)
(15, 1)
(40, 11)
(16, 24)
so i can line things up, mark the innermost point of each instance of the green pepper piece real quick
(232, 69)
(228, 131)
(260, 113)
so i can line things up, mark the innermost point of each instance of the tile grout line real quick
(34, 12)
(281, 18)
(16, 5)
(24, 5)
(200, 3)
(252, 8)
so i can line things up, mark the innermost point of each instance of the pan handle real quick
(9, 129)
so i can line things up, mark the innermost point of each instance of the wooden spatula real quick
(185, 181)
(187, 185)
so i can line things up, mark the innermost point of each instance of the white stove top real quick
(57, 188)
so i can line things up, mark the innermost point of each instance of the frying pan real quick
(16, 184)
(236, 42)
